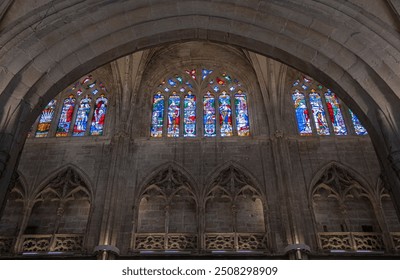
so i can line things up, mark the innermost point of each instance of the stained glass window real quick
(318, 113)
(157, 119)
(179, 89)
(174, 102)
(225, 114)
(242, 115)
(45, 119)
(82, 116)
(302, 115)
(209, 115)
(99, 115)
(190, 115)
(335, 113)
(358, 128)
(307, 90)
(67, 112)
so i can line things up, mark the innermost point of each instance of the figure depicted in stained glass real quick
(358, 128)
(318, 113)
(190, 115)
(225, 114)
(45, 119)
(209, 115)
(242, 115)
(82, 117)
(99, 115)
(335, 113)
(302, 115)
(157, 119)
(66, 116)
(174, 103)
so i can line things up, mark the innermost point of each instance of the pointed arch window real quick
(82, 116)
(209, 122)
(45, 119)
(225, 114)
(220, 92)
(242, 114)
(67, 112)
(99, 115)
(319, 111)
(87, 119)
(174, 115)
(190, 115)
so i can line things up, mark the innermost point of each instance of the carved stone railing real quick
(6, 244)
(51, 243)
(235, 241)
(351, 241)
(396, 240)
(170, 241)
(189, 242)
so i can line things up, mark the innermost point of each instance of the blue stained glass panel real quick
(99, 115)
(359, 129)
(45, 119)
(242, 115)
(209, 115)
(302, 115)
(82, 117)
(225, 115)
(157, 118)
(319, 114)
(189, 116)
(67, 112)
(173, 116)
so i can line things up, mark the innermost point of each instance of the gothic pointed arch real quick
(60, 213)
(66, 183)
(167, 215)
(344, 212)
(234, 211)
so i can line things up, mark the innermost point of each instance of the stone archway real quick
(351, 53)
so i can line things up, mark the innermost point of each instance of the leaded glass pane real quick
(318, 113)
(173, 115)
(335, 113)
(190, 115)
(358, 128)
(82, 117)
(45, 119)
(67, 112)
(242, 115)
(209, 115)
(225, 114)
(302, 115)
(157, 119)
(99, 115)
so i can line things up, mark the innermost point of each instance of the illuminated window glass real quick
(209, 115)
(242, 115)
(157, 119)
(99, 115)
(358, 128)
(302, 115)
(306, 94)
(225, 114)
(82, 116)
(190, 115)
(67, 113)
(335, 113)
(45, 119)
(174, 103)
(319, 114)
